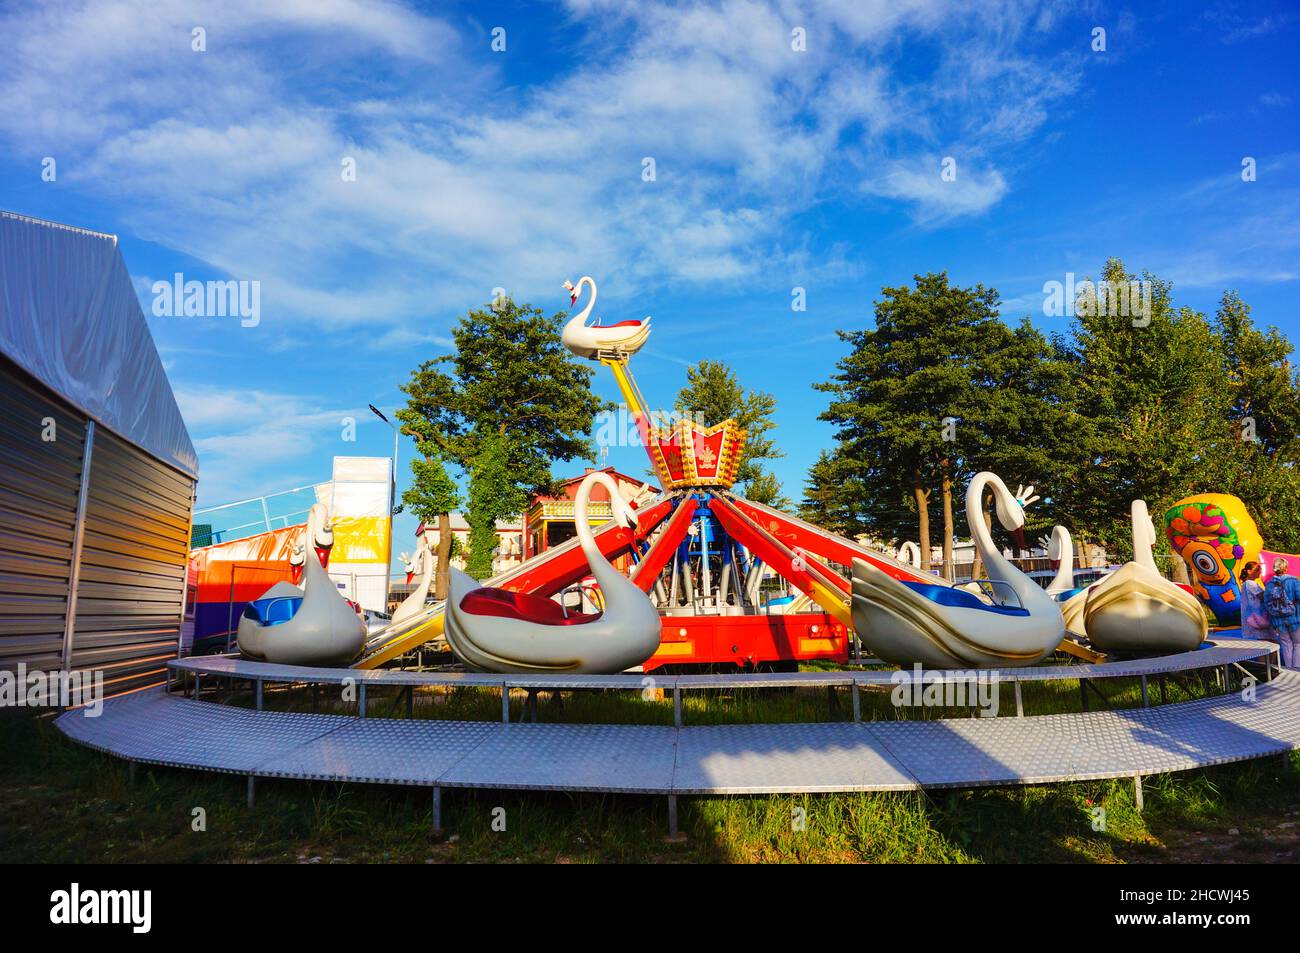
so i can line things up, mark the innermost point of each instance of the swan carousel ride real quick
(421, 564)
(1135, 610)
(313, 625)
(497, 630)
(941, 626)
(596, 341)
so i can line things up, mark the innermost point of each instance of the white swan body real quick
(940, 626)
(422, 563)
(494, 630)
(313, 625)
(1137, 610)
(596, 341)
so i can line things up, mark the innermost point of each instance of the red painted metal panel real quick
(568, 564)
(747, 641)
(792, 532)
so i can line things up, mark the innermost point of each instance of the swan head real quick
(1055, 544)
(1011, 510)
(573, 293)
(623, 512)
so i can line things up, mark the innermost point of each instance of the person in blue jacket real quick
(1282, 600)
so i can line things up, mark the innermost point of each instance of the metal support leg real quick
(1164, 689)
(1020, 702)
(505, 704)
(1137, 792)
(677, 706)
(530, 706)
(437, 811)
(257, 693)
(674, 835)
(857, 703)
(315, 698)
(1083, 694)
(361, 701)
(252, 791)
(410, 703)
(198, 685)
(1146, 702)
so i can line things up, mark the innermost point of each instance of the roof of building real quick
(71, 319)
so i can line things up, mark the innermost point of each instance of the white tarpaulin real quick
(70, 318)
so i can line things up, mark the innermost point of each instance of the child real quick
(1282, 597)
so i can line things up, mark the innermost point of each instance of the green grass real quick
(61, 802)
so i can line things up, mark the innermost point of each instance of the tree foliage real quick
(494, 495)
(714, 393)
(509, 387)
(1157, 406)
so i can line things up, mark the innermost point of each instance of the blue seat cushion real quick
(960, 599)
(274, 610)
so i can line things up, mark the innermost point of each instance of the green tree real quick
(830, 497)
(431, 497)
(714, 393)
(1262, 466)
(938, 388)
(509, 374)
(493, 495)
(1152, 388)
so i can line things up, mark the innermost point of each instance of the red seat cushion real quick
(522, 606)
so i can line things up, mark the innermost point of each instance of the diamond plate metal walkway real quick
(157, 727)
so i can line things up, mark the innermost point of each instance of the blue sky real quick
(775, 168)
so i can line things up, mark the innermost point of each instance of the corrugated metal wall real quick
(134, 545)
(39, 481)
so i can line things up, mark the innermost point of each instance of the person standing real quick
(1254, 613)
(1282, 599)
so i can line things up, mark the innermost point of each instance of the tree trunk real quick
(949, 570)
(444, 556)
(922, 497)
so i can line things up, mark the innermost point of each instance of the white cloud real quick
(972, 190)
(247, 437)
(233, 156)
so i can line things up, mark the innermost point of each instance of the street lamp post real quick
(392, 505)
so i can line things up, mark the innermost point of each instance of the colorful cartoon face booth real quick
(1215, 536)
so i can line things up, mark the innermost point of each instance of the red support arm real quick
(793, 532)
(653, 562)
(551, 571)
(772, 550)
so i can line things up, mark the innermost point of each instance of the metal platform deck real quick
(1218, 656)
(156, 727)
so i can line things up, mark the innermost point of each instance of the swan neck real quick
(1143, 535)
(1065, 571)
(975, 516)
(591, 302)
(586, 539)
